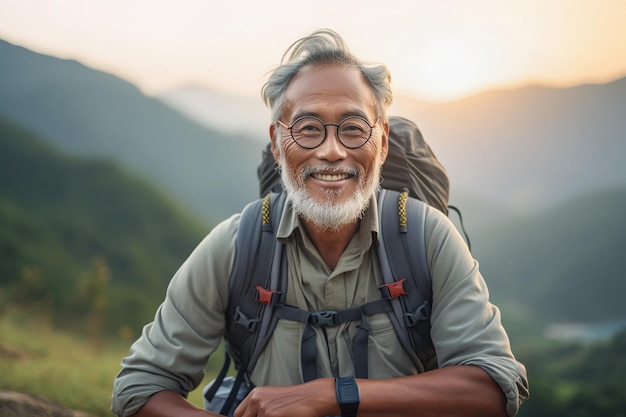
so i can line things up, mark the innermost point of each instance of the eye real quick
(308, 127)
(354, 127)
(311, 127)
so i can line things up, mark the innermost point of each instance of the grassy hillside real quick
(81, 238)
(576, 380)
(34, 358)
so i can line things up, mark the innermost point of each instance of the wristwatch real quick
(348, 395)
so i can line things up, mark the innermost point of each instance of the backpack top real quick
(410, 164)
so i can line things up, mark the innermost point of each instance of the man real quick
(329, 136)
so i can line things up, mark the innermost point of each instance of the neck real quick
(330, 244)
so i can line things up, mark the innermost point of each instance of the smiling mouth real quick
(331, 177)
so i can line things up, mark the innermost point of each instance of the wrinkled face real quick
(330, 185)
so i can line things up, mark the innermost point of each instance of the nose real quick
(331, 149)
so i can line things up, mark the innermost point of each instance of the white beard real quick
(328, 215)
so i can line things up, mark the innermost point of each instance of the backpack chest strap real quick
(331, 318)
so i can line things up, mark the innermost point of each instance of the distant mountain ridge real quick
(527, 148)
(531, 147)
(88, 112)
(522, 149)
(565, 264)
(514, 158)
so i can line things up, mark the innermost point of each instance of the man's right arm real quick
(173, 350)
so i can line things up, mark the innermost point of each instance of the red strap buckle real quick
(264, 296)
(396, 289)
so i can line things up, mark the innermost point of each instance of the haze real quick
(436, 50)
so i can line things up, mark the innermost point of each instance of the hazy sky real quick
(435, 49)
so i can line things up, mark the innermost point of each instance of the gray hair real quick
(323, 47)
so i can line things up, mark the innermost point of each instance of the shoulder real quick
(437, 226)
(220, 240)
(439, 229)
(207, 269)
(446, 251)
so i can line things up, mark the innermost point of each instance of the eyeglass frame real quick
(290, 129)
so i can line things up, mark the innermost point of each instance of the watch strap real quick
(348, 395)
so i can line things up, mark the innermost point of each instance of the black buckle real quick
(245, 321)
(323, 318)
(422, 313)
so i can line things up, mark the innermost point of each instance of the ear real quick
(384, 143)
(275, 151)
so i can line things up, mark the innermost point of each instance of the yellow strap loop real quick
(265, 209)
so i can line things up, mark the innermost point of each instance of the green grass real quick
(67, 368)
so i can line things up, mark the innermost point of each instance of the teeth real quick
(333, 177)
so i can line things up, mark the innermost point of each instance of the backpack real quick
(411, 177)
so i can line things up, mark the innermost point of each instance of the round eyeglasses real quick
(309, 132)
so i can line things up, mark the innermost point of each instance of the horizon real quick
(402, 94)
(441, 51)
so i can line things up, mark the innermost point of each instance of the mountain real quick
(532, 147)
(86, 112)
(529, 167)
(561, 266)
(506, 151)
(75, 231)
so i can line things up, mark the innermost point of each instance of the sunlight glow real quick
(452, 70)
(436, 50)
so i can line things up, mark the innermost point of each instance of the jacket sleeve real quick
(172, 351)
(466, 327)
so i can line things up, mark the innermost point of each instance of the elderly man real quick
(329, 135)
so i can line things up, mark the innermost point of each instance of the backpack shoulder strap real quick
(256, 256)
(402, 255)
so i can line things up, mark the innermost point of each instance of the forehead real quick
(329, 90)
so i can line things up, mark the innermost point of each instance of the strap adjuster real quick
(394, 289)
(265, 296)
